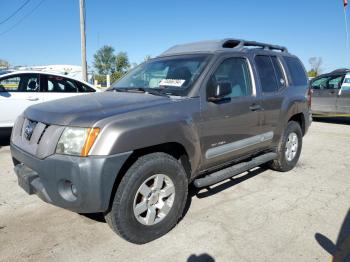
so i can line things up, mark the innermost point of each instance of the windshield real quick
(171, 75)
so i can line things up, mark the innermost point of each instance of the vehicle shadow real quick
(215, 189)
(340, 251)
(199, 193)
(333, 120)
(4, 141)
(201, 258)
(98, 217)
(5, 134)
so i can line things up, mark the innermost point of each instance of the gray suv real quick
(199, 113)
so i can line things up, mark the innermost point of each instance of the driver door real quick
(230, 127)
(17, 92)
(343, 101)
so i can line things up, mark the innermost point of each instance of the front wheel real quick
(150, 199)
(289, 148)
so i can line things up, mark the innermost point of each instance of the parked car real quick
(21, 89)
(331, 94)
(201, 112)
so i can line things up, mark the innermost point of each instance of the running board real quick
(231, 171)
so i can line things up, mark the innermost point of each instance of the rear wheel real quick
(289, 148)
(150, 199)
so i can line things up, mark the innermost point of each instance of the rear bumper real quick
(79, 184)
(308, 121)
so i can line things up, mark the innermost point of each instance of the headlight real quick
(77, 141)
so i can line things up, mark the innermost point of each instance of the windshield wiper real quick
(139, 90)
(124, 89)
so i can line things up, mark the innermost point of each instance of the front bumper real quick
(80, 184)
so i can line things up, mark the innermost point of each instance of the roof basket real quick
(240, 44)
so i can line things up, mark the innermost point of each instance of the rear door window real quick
(58, 84)
(267, 75)
(281, 80)
(296, 70)
(84, 88)
(335, 82)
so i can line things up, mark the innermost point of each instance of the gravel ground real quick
(260, 216)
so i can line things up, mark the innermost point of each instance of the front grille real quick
(42, 134)
(28, 129)
(32, 131)
(36, 138)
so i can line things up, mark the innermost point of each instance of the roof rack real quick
(212, 46)
(240, 44)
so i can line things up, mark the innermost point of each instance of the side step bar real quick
(231, 171)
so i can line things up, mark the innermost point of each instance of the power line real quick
(23, 18)
(15, 12)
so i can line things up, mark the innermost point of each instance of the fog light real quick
(74, 189)
(67, 190)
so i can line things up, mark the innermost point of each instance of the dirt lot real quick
(259, 216)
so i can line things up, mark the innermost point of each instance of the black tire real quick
(281, 163)
(121, 217)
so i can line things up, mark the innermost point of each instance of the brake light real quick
(309, 97)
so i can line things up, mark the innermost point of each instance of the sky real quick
(48, 32)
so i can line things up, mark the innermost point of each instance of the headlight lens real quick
(77, 141)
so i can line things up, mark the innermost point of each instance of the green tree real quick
(116, 75)
(315, 63)
(312, 73)
(105, 60)
(122, 63)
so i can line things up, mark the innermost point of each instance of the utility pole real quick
(83, 40)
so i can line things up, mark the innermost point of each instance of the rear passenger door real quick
(325, 94)
(272, 81)
(343, 101)
(56, 87)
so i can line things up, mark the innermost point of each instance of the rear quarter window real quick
(296, 70)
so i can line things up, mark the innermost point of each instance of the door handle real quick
(32, 98)
(255, 107)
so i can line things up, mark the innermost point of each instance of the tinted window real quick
(335, 82)
(320, 83)
(296, 71)
(60, 84)
(234, 71)
(281, 81)
(20, 83)
(266, 73)
(84, 88)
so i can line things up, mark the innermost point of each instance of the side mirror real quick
(218, 91)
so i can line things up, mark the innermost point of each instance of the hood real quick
(84, 111)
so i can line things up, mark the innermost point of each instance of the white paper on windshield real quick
(172, 82)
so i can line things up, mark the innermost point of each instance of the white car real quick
(346, 83)
(21, 89)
